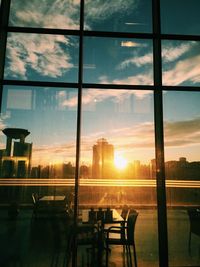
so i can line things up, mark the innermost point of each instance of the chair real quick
(126, 240)
(69, 203)
(35, 204)
(124, 214)
(88, 235)
(194, 218)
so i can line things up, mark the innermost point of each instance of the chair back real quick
(125, 212)
(131, 226)
(34, 198)
(194, 217)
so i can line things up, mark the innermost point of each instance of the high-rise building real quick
(103, 159)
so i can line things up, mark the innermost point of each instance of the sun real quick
(120, 162)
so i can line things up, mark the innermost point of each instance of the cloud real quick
(3, 126)
(45, 55)
(93, 96)
(46, 13)
(54, 153)
(144, 78)
(99, 11)
(137, 61)
(171, 52)
(182, 133)
(65, 14)
(186, 70)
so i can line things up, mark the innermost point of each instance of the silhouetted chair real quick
(194, 217)
(88, 236)
(124, 214)
(69, 203)
(35, 203)
(126, 240)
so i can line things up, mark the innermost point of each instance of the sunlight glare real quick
(120, 162)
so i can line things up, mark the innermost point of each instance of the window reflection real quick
(118, 146)
(174, 14)
(45, 14)
(182, 165)
(41, 57)
(118, 16)
(180, 60)
(48, 120)
(118, 61)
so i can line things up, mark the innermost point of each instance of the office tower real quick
(103, 159)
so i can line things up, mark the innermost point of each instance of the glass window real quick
(45, 14)
(42, 57)
(118, 61)
(180, 62)
(118, 16)
(117, 148)
(180, 17)
(50, 118)
(37, 169)
(182, 165)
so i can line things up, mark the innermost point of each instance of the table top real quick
(52, 198)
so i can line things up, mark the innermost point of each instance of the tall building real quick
(15, 160)
(103, 159)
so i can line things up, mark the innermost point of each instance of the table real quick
(51, 198)
(53, 204)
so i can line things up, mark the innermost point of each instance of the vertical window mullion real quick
(78, 135)
(4, 18)
(159, 139)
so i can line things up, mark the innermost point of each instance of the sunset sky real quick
(124, 118)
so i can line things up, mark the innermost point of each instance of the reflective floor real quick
(43, 243)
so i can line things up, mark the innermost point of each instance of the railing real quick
(97, 182)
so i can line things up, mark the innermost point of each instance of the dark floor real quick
(44, 242)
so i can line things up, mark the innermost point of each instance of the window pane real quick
(117, 148)
(180, 17)
(50, 124)
(118, 61)
(182, 145)
(42, 57)
(45, 14)
(37, 156)
(118, 16)
(180, 62)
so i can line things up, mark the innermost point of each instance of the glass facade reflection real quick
(54, 14)
(99, 115)
(118, 61)
(120, 16)
(180, 63)
(174, 14)
(182, 168)
(42, 57)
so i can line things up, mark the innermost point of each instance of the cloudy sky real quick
(124, 118)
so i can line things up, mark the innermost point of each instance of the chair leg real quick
(107, 253)
(128, 255)
(134, 253)
(189, 243)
